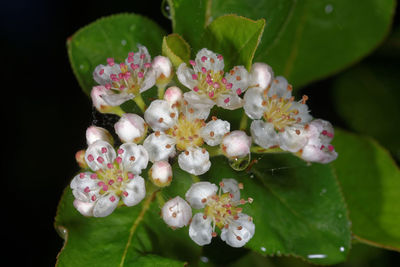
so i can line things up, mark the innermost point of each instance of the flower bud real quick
(161, 173)
(236, 144)
(80, 159)
(261, 75)
(94, 133)
(173, 95)
(163, 68)
(176, 212)
(131, 128)
(97, 94)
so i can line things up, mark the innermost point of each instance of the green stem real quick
(139, 101)
(195, 178)
(243, 122)
(161, 90)
(260, 150)
(214, 151)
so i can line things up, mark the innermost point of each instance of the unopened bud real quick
(236, 144)
(161, 173)
(163, 68)
(80, 159)
(261, 75)
(94, 133)
(131, 128)
(176, 212)
(97, 94)
(173, 95)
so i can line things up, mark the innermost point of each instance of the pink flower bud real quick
(80, 159)
(131, 128)
(163, 68)
(173, 95)
(236, 144)
(161, 173)
(94, 133)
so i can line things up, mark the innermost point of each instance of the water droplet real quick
(123, 42)
(240, 164)
(166, 9)
(323, 191)
(316, 256)
(252, 176)
(328, 9)
(263, 249)
(84, 66)
(204, 259)
(62, 232)
(341, 249)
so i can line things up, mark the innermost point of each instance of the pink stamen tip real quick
(111, 182)
(119, 179)
(87, 189)
(120, 76)
(101, 183)
(229, 86)
(101, 72)
(127, 75)
(90, 158)
(107, 86)
(122, 65)
(203, 70)
(238, 91)
(110, 61)
(120, 151)
(103, 150)
(322, 147)
(223, 80)
(211, 94)
(109, 165)
(142, 56)
(194, 77)
(112, 198)
(100, 159)
(226, 100)
(196, 89)
(330, 135)
(82, 175)
(131, 54)
(220, 57)
(105, 187)
(130, 59)
(192, 62)
(125, 193)
(130, 176)
(147, 65)
(331, 148)
(203, 58)
(118, 160)
(93, 198)
(93, 176)
(122, 87)
(140, 74)
(210, 82)
(216, 85)
(324, 132)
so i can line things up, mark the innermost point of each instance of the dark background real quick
(45, 115)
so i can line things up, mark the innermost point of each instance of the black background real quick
(45, 115)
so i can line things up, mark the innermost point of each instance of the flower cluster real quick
(178, 127)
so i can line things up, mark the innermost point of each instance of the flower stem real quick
(243, 122)
(139, 101)
(161, 90)
(195, 178)
(260, 150)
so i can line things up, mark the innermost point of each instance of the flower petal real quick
(135, 191)
(199, 191)
(239, 232)
(264, 134)
(130, 128)
(158, 115)
(114, 99)
(229, 101)
(105, 205)
(200, 230)
(184, 75)
(194, 160)
(293, 138)
(231, 186)
(209, 60)
(200, 104)
(176, 212)
(85, 208)
(239, 78)
(134, 157)
(214, 131)
(99, 154)
(253, 100)
(159, 146)
(261, 75)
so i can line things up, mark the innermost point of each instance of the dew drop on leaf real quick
(240, 164)
(166, 9)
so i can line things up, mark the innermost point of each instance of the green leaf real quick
(304, 40)
(366, 98)
(113, 36)
(370, 181)
(298, 209)
(176, 49)
(106, 241)
(234, 37)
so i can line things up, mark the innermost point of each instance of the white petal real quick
(214, 131)
(84, 187)
(261, 75)
(235, 237)
(135, 191)
(149, 80)
(105, 205)
(159, 146)
(200, 230)
(85, 208)
(229, 101)
(239, 78)
(114, 99)
(176, 212)
(264, 134)
(134, 157)
(303, 112)
(185, 76)
(315, 154)
(97, 94)
(293, 138)
(158, 115)
(199, 103)
(199, 191)
(194, 160)
(253, 103)
(209, 60)
(231, 186)
(325, 129)
(280, 87)
(94, 133)
(102, 73)
(236, 144)
(99, 154)
(130, 128)
(161, 173)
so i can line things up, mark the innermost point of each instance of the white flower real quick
(176, 212)
(318, 148)
(209, 83)
(236, 144)
(99, 92)
(161, 173)
(278, 119)
(114, 178)
(181, 127)
(220, 209)
(125, 80)
(131, 128)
